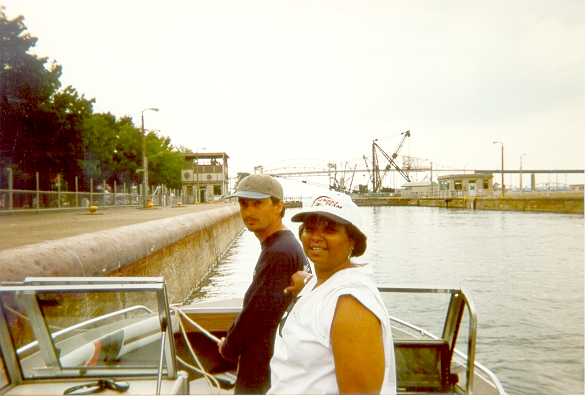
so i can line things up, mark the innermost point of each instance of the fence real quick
(449, 194)
(118, 196)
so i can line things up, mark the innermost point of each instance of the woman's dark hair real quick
(359, 239)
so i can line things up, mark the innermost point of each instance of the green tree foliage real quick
(66, 143)
(112, 149)
(129, 153)
(51, 131)
(40, 127)
(165, 162)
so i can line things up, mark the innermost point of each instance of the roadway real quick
(23, 229)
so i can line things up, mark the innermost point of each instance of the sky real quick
(299, 84)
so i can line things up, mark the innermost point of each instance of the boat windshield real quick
(88, 327)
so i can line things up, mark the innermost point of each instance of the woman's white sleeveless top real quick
(303, 360)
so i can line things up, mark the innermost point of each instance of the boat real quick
(119, 335)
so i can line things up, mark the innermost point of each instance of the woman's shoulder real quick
(359, 283)
(360, 276)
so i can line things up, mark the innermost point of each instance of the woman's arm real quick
(358, 348)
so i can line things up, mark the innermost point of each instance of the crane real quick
(376, 178)
(367, 167)
(340, 184)
(351, 183)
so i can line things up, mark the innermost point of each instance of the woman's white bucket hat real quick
(339, 208)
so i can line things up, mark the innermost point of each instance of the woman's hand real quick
(358, 348)
(297, 282)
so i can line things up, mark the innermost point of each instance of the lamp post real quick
(501, 166)
(145, 165)
(521, 173)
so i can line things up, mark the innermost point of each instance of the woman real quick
(335, 338)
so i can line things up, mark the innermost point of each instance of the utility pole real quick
(145, 163)
(521, 173)
(197, 181)
(375, 171)
(501, 167)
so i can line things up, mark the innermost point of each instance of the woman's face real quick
(326, 242)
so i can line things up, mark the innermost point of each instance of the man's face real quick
(259, 214)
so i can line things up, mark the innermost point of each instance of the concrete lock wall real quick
(181, 249)
(568, 205)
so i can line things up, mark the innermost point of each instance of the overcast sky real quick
(301, 83)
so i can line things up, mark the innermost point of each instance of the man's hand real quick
(220, 344)
(297, 282)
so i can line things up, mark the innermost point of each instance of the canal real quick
(524, 272)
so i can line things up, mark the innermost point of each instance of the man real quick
(250, 339)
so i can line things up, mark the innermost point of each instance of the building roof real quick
(419, 184)
(464, 176)
(206, 155)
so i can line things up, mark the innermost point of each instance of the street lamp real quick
(145, 167)
(501, 166)
(521, 173)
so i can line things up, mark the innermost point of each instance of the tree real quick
(51, 131)
(165, 162)
(71, 112)
(128, 152)
(40, 128)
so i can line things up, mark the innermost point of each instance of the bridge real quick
(326, 172)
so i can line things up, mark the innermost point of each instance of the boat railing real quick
(459, 301)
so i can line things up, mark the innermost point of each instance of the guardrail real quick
(15, 200)
(102, 194)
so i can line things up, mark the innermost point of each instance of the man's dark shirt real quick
(250, 340)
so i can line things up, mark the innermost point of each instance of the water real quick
(524, 271)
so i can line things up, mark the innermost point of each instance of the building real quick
(466, 185)
(419, 189)
(205, 177)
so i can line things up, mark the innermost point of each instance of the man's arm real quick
(297, 282)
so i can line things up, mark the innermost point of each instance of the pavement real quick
(23, 229)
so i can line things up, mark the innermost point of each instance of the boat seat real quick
(423, 366)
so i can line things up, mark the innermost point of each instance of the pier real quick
(180, 244)
(566, 202)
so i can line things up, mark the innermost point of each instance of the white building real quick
(419, 189)
(465, 185)
(205, 177)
